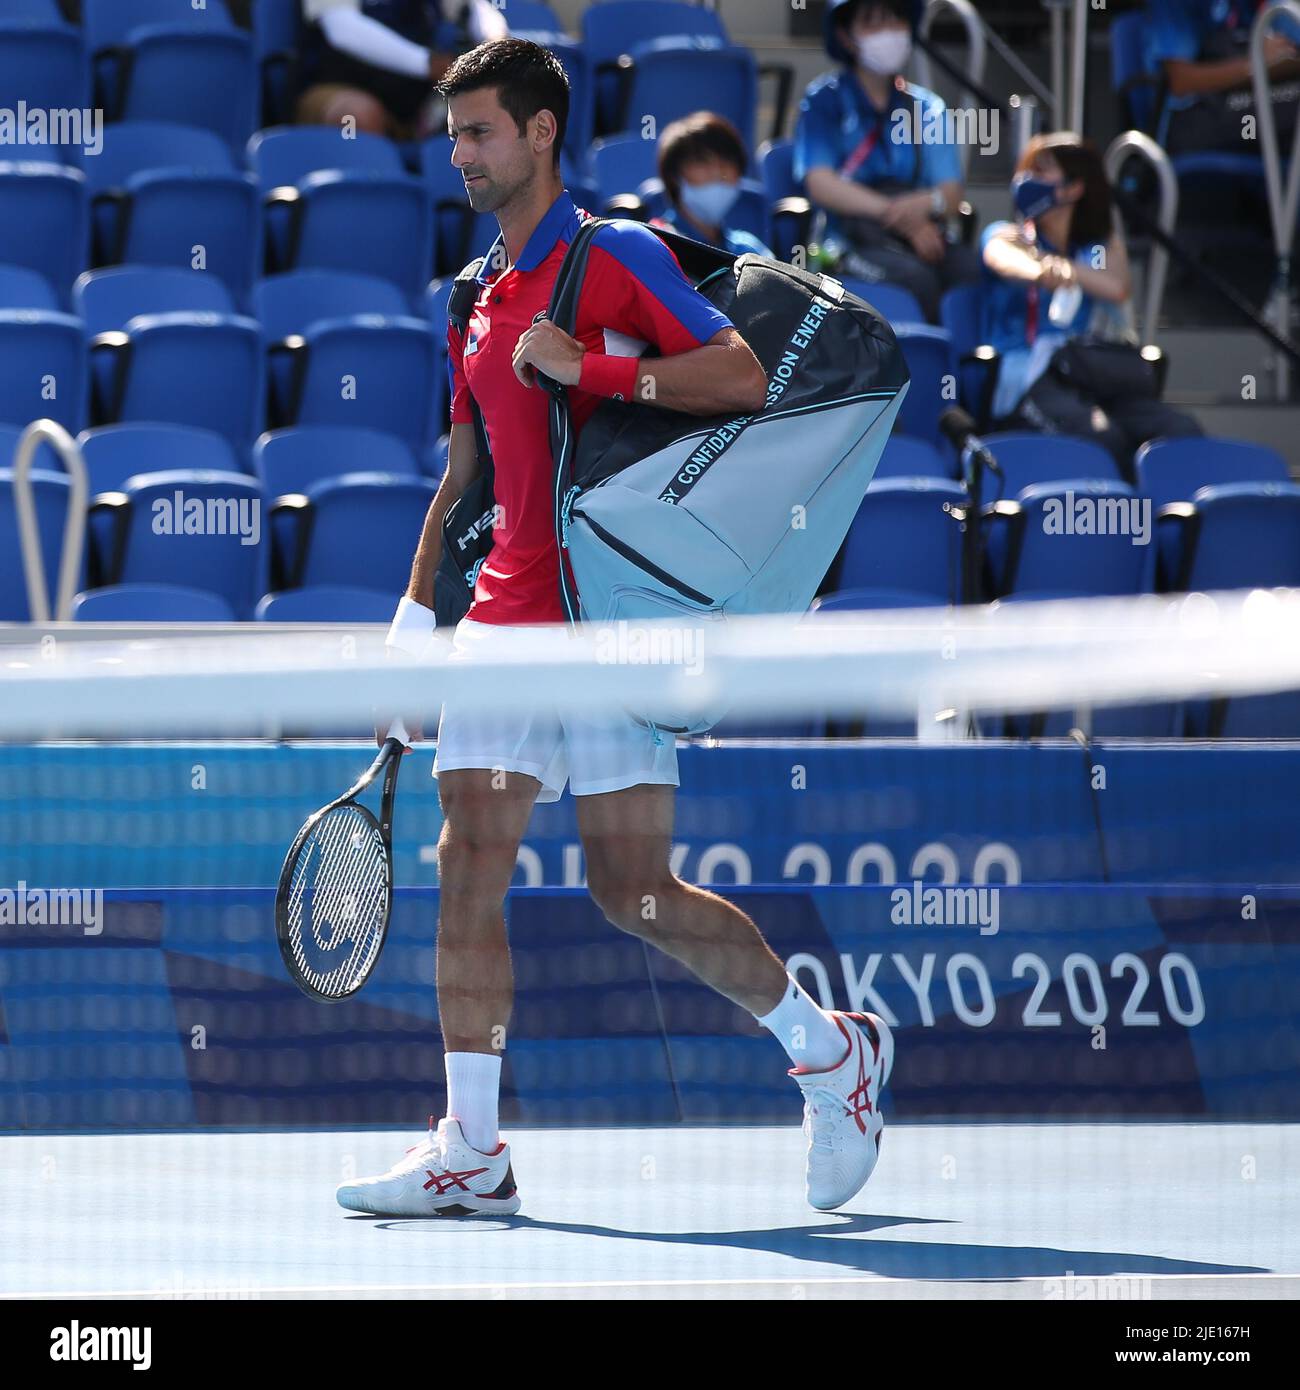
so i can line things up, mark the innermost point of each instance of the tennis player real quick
(508, 102)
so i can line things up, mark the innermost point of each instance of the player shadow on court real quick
(825, 1244)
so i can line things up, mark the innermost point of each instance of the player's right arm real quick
(462, 469)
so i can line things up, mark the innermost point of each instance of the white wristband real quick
(411, 629)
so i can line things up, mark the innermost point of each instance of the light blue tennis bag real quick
(667, 515)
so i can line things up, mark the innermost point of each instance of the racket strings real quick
(338, 891)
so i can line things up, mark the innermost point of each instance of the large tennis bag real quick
(662, 514)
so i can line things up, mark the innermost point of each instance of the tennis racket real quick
(336, 887)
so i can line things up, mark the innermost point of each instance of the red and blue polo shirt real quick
(634, 294)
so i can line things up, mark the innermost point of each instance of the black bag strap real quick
(460, 307)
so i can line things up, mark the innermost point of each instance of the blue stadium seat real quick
(1046, 555)
(929, 356)
(43, 63)
(905, 536)
(46, 458)
(871, 600)
(621, 164)
(961, 312)
(111, 23)
(1244, 535)
(611, 30)
(107, 299)
(905, 457)
(44, 12)
(1159, 720)
(1132, 83)
(135, 147)
(1027, 458)
(150, 603)
(1260, 716)
(205, 78)
(671, 76)
(43, 222)
(156, 549)
(362, 530)
(370, 223)
(42, 368)
(286, 155)
(296, 459)
(277, 37)
(892, 302)
(388, 363)
(1172, 470)
(326, 603)
(531, 16)
(193, 369)
(435, 310)
(50, 493)
(166, 213)
(290, 303)
(21, 288)
(114, 453)
(776, 169)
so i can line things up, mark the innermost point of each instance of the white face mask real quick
(709, 202)
(885, 53)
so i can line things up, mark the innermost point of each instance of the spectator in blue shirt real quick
(1201, 49)
(1059, 276)
(701, 160)
(873, 152)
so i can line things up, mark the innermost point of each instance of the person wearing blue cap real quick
(875, 155)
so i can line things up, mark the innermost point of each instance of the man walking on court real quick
(508, 104)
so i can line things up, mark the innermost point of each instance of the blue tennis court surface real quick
(1079, 1211)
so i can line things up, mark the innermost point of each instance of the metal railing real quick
(1282, 200)
(977, 57)
(1121, 148)
(29, 534)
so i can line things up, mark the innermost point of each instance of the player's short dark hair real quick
(528, 79)
(1079, 159)
(697, 136)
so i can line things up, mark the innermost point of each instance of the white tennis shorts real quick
(593, 754)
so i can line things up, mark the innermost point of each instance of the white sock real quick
(473, 1088)
(810, 1036)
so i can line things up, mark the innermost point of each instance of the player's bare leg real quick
(842, 1061)
(462, 1168)
(485, 815)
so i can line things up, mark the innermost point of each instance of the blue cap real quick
(834, 48)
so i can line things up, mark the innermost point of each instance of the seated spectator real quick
(376, 61)
(886, 198)
(1201, 48)
(1056, 305)
(701, 161)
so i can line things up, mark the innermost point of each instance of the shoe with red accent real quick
(841, 1113)
(441, 1177)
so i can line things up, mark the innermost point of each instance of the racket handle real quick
(397, 729)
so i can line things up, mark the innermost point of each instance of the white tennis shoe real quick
(443, 1176)
(841, 1113)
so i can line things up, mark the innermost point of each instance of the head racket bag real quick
(667, 515)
